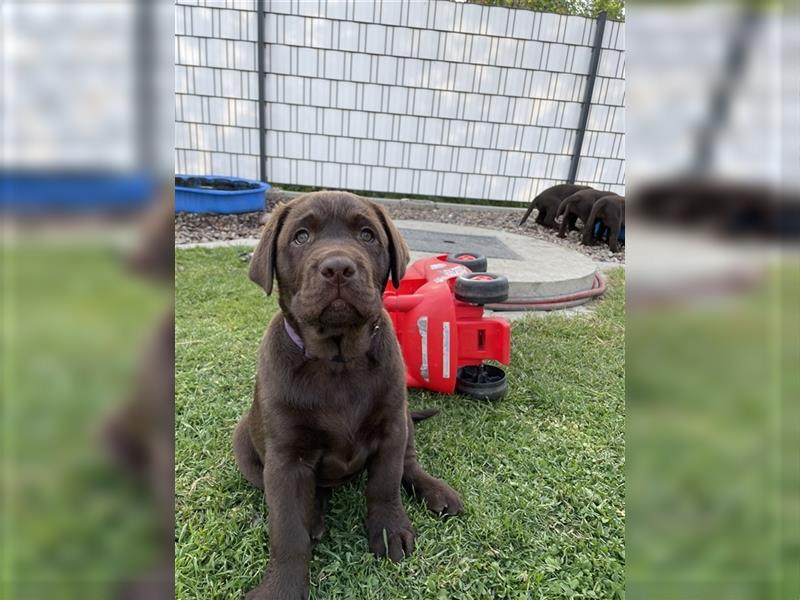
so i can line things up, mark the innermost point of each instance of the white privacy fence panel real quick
(425, 97)
(216, 88)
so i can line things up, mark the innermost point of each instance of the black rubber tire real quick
(481, 288)
(475, 262)
(485, 382)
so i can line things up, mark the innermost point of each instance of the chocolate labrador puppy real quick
(330, 393)
(548, 201)
(609, 213)
(577, 206)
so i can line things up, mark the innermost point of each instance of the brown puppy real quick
(330, 395)
(548, 201)
(609, 211)
(577, 206)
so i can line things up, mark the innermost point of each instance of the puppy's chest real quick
(345, 441)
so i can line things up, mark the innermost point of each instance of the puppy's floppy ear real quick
(398, 250)
(262, 265)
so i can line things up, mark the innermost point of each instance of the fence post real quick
(722, 95)
(146, 155)
(262, 107)
(587, 97)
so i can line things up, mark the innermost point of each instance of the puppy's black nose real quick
(337, 268)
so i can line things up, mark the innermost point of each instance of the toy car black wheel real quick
(481, 288)
(476, 263)
(485, 382)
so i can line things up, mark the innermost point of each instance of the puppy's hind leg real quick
(562, 228)
(613, 237)
(573, 222)
(541, 214)
(247, 458)
(550, 219)
(437, 494)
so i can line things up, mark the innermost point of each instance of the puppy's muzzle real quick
(337, 269)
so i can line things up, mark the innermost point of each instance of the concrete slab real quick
(539, 270)
(424, 240)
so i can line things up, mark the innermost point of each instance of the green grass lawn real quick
(541, 472)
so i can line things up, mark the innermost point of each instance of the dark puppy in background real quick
(609, 213)
(577, 206)
(548, 201)
(330, 393)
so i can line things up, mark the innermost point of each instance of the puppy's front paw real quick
(391, 536)
(441, 498)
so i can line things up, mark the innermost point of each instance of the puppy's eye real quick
(301, 237)
(366, 235)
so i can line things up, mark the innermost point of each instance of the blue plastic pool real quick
(221, 195)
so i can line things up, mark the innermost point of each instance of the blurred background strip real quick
(86, 130)
(713, 325)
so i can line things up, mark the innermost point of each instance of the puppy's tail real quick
(421, 415)
(563, 206)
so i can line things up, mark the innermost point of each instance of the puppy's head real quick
(332, 254)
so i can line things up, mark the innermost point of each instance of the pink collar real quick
(295, 337)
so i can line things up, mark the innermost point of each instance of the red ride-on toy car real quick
(437, 313)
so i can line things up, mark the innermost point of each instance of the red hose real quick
(554, 302)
